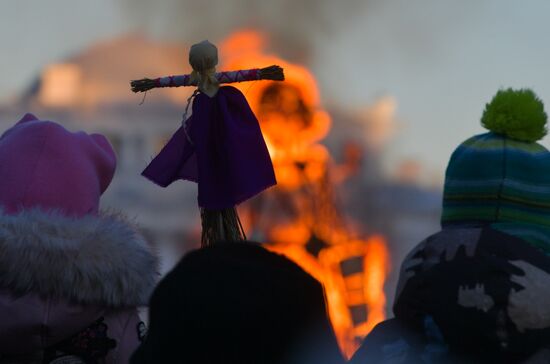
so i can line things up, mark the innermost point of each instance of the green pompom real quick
(518, 114)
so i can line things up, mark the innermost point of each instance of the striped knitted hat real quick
(502, 178)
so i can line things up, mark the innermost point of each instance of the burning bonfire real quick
(298, 218)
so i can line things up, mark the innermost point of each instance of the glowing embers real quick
(299, 217)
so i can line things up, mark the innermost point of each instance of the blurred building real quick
(399, 206)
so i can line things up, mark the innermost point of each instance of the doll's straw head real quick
(203, 57)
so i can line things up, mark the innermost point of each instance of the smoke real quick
(295, 26)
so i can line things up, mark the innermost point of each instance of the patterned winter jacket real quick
(486, 291)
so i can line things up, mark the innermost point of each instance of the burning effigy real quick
(299, 218)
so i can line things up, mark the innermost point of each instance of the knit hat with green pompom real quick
(502, 178)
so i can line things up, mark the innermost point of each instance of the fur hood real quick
(95, 260)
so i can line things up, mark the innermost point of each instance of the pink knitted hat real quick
(42, 165)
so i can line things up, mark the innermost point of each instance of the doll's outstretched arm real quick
(274, 73)
(145, 84)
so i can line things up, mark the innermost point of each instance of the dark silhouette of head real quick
(238, 303)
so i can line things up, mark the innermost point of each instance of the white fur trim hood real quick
(97, 260)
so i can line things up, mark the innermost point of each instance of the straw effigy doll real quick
(220, 146)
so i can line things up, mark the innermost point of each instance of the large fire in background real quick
(299, 217)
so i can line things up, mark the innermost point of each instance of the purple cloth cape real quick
(228, 158)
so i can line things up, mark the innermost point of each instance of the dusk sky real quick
(441, 60)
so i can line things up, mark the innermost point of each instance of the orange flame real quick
(352, 271)
(361, 289)
(245, 50)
